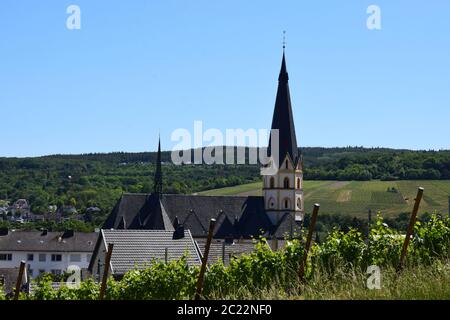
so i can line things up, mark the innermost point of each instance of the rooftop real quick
(137, 249)
(42, 241)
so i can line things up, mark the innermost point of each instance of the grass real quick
(422, 282)
(357, 197)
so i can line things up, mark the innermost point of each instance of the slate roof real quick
(236, 216)
(52, 241)
(287, 226)
(139, 248)
(138, 211)
(283, 119)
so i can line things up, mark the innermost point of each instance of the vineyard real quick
(356, 197)
(336, 269)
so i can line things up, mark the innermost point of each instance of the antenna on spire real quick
(284, 39)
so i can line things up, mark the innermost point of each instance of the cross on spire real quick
(284, 39)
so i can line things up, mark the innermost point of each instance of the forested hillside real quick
(99, 179)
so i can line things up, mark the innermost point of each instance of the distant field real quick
(356, 197)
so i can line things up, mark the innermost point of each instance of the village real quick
(144, 228)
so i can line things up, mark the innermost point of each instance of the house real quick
(43, 251)
(138, 249)
(276, 214)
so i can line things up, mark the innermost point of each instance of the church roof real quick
(283, 119)
(236, 216)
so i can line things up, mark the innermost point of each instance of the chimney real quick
(68, 233)
(175, 223)
(178, 233)
(4, 231)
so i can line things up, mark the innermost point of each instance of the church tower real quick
(283, 190)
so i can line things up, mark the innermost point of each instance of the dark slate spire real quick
(157, 187)
(283, 119)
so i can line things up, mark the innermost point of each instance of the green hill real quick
(356, 197)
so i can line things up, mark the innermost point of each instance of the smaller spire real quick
(157, 187)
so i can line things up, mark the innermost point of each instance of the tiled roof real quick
(139, 248)
(219, 250)
(51, 241)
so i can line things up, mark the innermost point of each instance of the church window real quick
(286, 203)
(287, 164)
(272, 182)
(271, 203)
(298, 183)
(286, 183)
(299, 203)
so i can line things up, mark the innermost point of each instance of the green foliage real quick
(432, 238)
(340, 262)
(174, 280)
(384, 244)
(2, 293)
(339, 247)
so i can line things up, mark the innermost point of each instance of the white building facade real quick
(46, 252)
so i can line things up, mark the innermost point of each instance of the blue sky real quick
(137, 68)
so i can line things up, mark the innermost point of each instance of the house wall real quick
(48, 265)
(99, 258)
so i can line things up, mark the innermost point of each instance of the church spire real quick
(283, 119)
(157, 187)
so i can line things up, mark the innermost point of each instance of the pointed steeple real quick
(157, 187)
(283, 119)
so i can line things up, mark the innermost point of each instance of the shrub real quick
(342, 258)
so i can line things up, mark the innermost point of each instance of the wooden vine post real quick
(106, 271)
(410, 230)
(199, 289)
(312, 225)
(19, 280)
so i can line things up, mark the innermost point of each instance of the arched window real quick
(272, 182)
(271, 203)
(287, 164)
(298, 183)
(286, 183)
(286, 203)
(299, 203)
